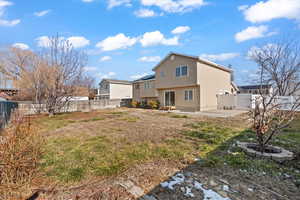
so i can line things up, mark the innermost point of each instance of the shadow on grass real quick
(224, 172)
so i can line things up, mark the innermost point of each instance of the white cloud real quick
(143, 13)
(115, 3)
(4, 22)
(219, 57)
(156, 38)
(108, 75)
(243, 7)
(90, 69)
(21, 46)
(119, 41)
(264, 11)
(150, 59)
(253, 32)
(42, 13)
(174, 6)
(78, 41)
(43, 41)
(87, 1)
(138, 76)
(181, 29)
(105, 58)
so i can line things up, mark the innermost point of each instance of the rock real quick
(226, 188)
(212, 183)
(136, 191)
(147, 197)
(250, 190)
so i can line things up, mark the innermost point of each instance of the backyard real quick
(124, 153)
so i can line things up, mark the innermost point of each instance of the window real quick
(184, 71)
(147, 85)
(188, 95)
(181, 71)
(162, 74)
(137, 86)
(177, 71)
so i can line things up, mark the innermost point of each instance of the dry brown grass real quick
(20, 151)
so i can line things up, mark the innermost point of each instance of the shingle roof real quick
(145, 78)
(254, 87)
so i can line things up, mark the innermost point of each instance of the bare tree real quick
(51, 77)
(279, 67)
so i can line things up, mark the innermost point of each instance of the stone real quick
(148, 197)
(284, 154)
(212, 183)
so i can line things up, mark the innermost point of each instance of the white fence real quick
(247, 101)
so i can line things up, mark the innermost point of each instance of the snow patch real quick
(177, 179)
(188, 192)
(209, 194)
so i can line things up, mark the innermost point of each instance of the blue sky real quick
(125, 39)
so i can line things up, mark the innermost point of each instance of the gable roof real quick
(212, 64)
(146, 78)
(117, 81)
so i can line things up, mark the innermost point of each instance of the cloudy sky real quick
(125, 39)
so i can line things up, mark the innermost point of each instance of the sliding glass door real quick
(170, 98)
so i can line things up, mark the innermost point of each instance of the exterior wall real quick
(168, 67)
(136, 95)
(213, 81)
(180, 102)
(120, 91)
(144, 93)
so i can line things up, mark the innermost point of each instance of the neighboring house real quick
(144, 89)
(114, 89)
(7, 85)
(255, 89)
(188, 83)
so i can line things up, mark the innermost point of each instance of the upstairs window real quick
(181, 71)
(147, 85)
(137, 86)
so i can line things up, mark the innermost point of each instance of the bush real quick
(144, 104)
(135, 104)
(153, 104)
(20, 152)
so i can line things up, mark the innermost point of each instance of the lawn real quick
(148, 146)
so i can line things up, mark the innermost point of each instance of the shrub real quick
(144, 104)
(153, 104)
(135, 104)
(20, 151)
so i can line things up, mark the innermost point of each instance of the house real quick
(187, 83)
(255, 89)
(144, 89)
(114, 89)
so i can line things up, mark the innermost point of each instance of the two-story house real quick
(114, 89)
(190, 83)
(144, 89)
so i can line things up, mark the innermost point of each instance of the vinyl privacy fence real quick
(247, 101)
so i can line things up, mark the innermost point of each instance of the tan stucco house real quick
(189, 83)
(114, 89)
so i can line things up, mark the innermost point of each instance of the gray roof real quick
(145, 78)
(117, 81)
(254, 87)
